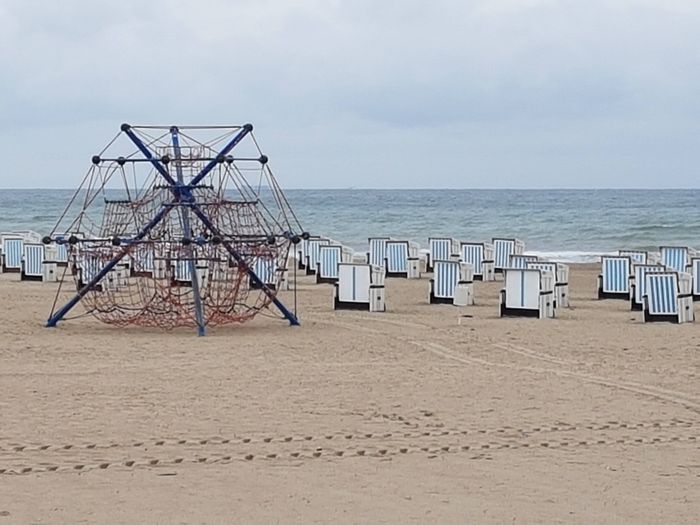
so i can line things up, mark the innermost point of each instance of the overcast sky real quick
(365, 93)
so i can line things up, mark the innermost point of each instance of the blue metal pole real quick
(255, 279)
(232, 143)
(126, 128)
(108, 267)
(187, 230)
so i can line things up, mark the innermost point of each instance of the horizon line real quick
(423, 189)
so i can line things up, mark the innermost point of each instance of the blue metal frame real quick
(183, 196)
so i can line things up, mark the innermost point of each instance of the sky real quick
(365, 93)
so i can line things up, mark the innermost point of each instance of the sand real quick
(415, 415)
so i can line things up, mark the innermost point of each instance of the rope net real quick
(189, 251)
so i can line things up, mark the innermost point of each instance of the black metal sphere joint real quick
(186, 241)
(116, 241)
(229, 159)
(296, 239)
(121, 161)
(248, 127)
(72, 240)
(125, 127)
(306, 236)
(165, 159)
(263, 159)
(96, 159)
(46, 240)
(220, 159)
(216, 240)
(173, 129)
(271, 240)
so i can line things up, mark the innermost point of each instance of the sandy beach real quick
(427, 413)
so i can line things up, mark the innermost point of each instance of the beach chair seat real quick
(452, 283)
(360, 287)
(12, 251)
(676, 258)
(376, 255)
(503, 249)
(613, 281)
(32, 262)
(402, 259)
(480, 256)
(527, 293)
(520, 260)
(636, 256)
(638, 283)
(560, 282)
(330, 256)
(440, 249)
(663, 300)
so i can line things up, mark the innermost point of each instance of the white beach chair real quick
(664, 301)
(560, 282)
(360, 287)
(377, 251)
(330, 256)
(12, 250)
(440, 249)
(503, 249)
(520, 261)
(636, 256)
(480, 256)
(32, 262)
(675, 257)
(527, 293)
(402, 259)
(453, 283)
(613, 282)
(694, 270)
(638, 283)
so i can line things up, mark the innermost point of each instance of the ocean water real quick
(573, 225)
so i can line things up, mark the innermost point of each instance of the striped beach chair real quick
(32, 262)
(88, 265)
(613, 281)
(694, 270)
(663, 300)
(560, 282)
(452, 282)
(12, 250)
(638, 283)
(636, 256)
(330, 256)
(401, 259)
(440, 249)
(265, 268)
(527, 293)
(675, 257)
(360, 287)
(313, 250)
(503, 249)
(520, 261)
(480, 256)
(377, 251)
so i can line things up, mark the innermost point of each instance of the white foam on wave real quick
(570, 256)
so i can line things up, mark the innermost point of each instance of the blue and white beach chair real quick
(675, 257)
(32, 262)
(452, 283)
(402, 259)
(694, 270)
(330, 256)
(560, 282)
(440, 249)
(638, 283)
(503, 249)
(480, 256)
(527, 293)
(360, 287)
(313, 250)
(520, 261)
(663, 300)
(377, 251)
(12, 250)
(613, 282)
(266, 270)
(88, 265)
(636, 256)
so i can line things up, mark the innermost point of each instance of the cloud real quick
(520, 90)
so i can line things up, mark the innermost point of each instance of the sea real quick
(566, 225)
